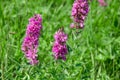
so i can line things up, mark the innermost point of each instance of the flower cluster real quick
(59, 48)
(80, 10)
(102, 3)
(30, 43)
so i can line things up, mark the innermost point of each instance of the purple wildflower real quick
(80, 10)
(59, 48)
(30, 43)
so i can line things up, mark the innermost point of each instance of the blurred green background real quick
(93, 53)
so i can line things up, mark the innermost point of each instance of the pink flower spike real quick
(30, 43)
(79, 12)
(59, 48)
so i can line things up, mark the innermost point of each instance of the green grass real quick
(94, 52)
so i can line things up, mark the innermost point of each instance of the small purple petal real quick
(102, 3)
